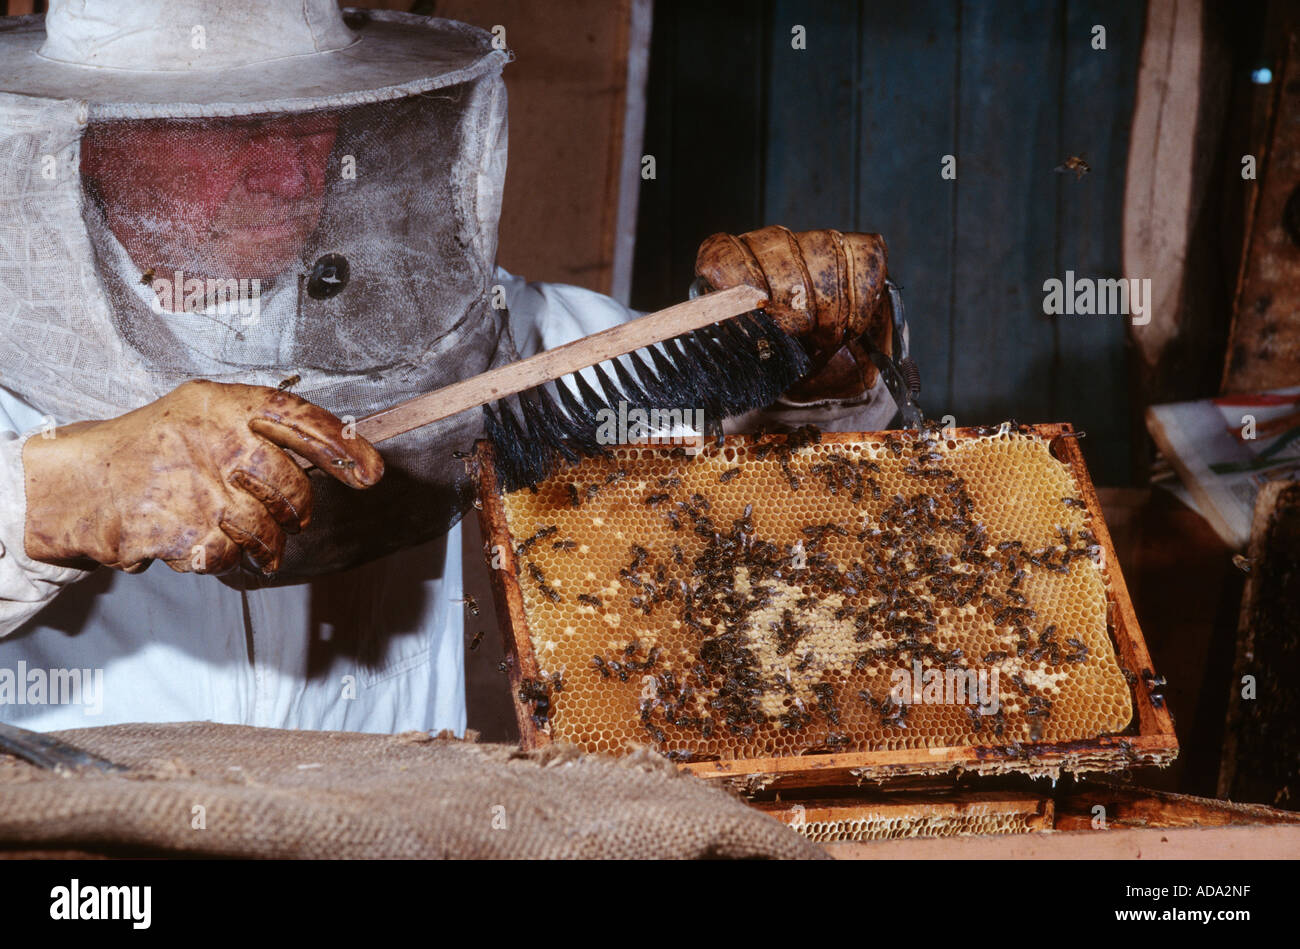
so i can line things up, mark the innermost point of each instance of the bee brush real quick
(719, 353)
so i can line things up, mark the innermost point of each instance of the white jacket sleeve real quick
(26, 585)
(546, 315)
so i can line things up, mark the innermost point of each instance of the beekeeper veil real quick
(271, 192)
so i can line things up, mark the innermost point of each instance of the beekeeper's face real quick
(213, 197)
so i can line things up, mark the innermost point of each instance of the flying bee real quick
(287, 384)
(146, 278)
(471, 604)
(1075, 164)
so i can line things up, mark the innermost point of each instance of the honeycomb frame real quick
(900, 816)
(1147, 740)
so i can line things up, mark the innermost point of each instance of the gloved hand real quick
(193, 479)
(827, 289)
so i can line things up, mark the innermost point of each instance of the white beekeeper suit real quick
(372, 647)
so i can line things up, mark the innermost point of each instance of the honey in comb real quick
(758, 600)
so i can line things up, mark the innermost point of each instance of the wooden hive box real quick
(726, 607)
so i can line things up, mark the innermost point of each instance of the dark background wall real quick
(850, 133)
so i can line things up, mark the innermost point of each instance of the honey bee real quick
(527, 544)
(287, 384)
(471, 604)
(478, 638)
(1075, 164)
(146, 278)
(728, 475)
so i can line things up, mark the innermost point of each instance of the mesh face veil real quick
(350, 245)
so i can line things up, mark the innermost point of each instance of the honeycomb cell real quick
(797, 594)
(899, 828)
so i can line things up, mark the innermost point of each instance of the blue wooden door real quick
(851, 132)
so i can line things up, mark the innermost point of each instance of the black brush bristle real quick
(582, 415)
(666, 373)
(631, 388)
(651, 384)
(546, 424)
(725, 370)
(613, 395)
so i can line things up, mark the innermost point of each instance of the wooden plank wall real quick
(850, 133)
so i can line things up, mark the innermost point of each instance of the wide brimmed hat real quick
(195, 58)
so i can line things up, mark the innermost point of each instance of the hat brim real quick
(396, 55)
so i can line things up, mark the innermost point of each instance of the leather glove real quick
(194, 479)
(826, 288)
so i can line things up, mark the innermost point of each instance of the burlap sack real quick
(201, 789)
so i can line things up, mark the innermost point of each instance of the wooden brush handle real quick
(554, 363)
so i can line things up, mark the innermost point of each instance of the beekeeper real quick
(229, 229)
